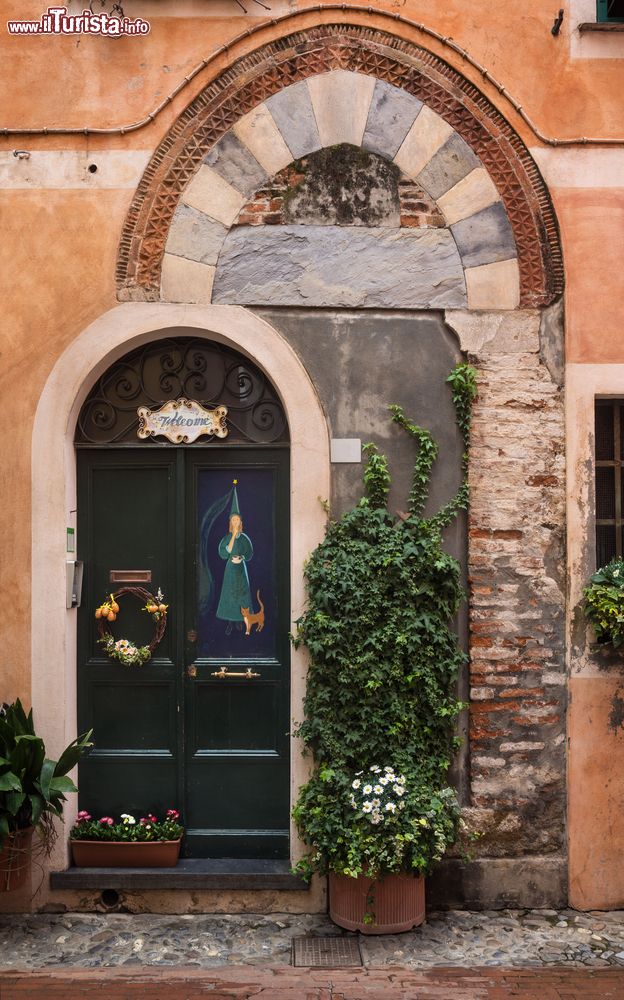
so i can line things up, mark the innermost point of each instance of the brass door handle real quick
(224, 672)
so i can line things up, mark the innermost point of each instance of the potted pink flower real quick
(127, 843)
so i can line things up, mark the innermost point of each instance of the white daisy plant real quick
(388, 788)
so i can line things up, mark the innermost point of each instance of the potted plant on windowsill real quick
(32, 792)
(604, 606)
(148, 843)
(381, 704)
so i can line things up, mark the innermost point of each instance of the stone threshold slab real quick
(189, 873)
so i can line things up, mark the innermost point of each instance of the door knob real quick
(191, 670)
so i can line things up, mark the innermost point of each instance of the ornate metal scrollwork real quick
(189, 367)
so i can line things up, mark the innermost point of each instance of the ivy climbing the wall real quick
(381, 692)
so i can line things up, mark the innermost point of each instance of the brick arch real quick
(246, 121)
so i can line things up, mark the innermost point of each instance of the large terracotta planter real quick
(125, 854)
(15, 860)
(395, 902)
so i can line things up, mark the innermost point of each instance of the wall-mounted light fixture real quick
(556, 28)
(21, 154)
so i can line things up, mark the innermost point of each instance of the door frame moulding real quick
(107, 339)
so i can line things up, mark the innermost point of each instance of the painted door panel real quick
(237, 766)
(166, 735)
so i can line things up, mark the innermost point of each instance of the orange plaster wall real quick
(55, 80)
(57, 257)
(596, 793)
(592, 229)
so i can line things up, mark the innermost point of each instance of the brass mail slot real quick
(131, 576)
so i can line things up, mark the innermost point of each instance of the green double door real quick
(204, 725)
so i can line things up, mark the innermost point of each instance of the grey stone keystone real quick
(453, 161)
(236, 165)
(195, 235)
(485, 237)
(293, 114)
(391, 115)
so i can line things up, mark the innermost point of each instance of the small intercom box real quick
(73, 570)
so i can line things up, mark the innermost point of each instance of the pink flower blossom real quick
(107, 821)
(83, 817)
(173, 814)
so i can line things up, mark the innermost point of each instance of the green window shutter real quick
(601, 10)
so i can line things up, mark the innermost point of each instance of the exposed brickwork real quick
(284, 983)
(263, 73)
(417, 209)
(269, 205)
(516, 572)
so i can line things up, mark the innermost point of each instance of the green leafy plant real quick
(604, 603)
(384, 662)
(148, 828)
(32, 787)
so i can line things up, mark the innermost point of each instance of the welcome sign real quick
(182, 421)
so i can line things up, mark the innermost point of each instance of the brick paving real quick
(282, 983)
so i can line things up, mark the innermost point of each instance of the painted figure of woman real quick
(236, 549)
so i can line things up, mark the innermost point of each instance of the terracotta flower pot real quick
(125, 854)
(392, 904)
(15, 859)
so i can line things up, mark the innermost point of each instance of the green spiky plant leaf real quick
(32, 787)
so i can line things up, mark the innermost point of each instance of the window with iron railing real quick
(609, 450)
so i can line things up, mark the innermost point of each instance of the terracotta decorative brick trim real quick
(266, 72)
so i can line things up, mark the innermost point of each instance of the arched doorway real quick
(203, 725)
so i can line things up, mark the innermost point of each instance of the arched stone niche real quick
(341, 84)
(344, 227)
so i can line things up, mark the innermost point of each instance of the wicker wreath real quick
(124, 650)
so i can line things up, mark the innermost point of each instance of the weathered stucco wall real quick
(117, 80)
(61, 229)
(595, 718)
(360, 363)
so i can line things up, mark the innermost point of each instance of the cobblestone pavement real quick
(282, 983)
(504, 939)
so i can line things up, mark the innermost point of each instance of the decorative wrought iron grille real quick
(182, 367)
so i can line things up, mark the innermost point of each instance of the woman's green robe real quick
(235, 592)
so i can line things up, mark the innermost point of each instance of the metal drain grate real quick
(326, 952)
